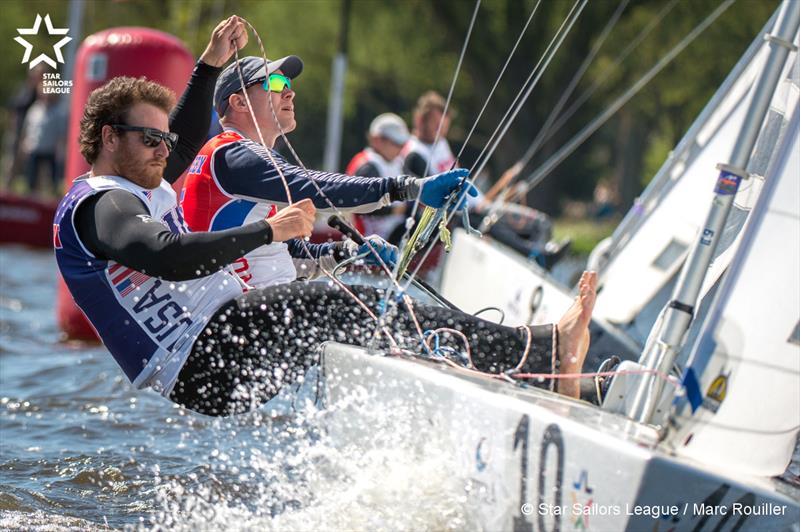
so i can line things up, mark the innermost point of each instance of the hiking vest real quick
(368, 155)
(440, 157)
(148, 324)
(208, 207)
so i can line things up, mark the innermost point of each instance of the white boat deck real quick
(517, 449)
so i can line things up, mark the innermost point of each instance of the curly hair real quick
(110, 104)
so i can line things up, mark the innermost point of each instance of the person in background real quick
(420, 153)
(18, 107)
(386, 137)
(42, 146)
(525, 230)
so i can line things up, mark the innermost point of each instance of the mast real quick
(333, 144)
(665, 341)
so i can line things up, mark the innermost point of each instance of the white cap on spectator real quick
(391, 127)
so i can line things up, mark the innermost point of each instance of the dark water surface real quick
(81, 449)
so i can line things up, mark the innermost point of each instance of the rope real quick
(576, 376)
(612, 22)
(550, 128)
(434, 334)
(506, 121)
(497, 81)
(379, 324)
(404, 242)
(545, 133)
(530, 83)
(510, 375)
(453, 83)
(634, 44)
(294, 154)
(528, 341)
(536, 177)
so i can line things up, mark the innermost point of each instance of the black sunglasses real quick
(151, 137)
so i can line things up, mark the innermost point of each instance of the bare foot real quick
(573, 334)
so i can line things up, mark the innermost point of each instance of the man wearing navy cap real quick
(236, 176)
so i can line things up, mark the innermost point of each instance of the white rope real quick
(545, 60)
(580, 100)
(406, 234)
(545, 131)
(453, 85)
(574, 82)
(497, 80)
(536, 177)
(522, 98)
(404, 240)
(268, 150)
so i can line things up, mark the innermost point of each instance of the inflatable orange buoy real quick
(114, 52)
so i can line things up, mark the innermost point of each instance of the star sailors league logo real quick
(51, 81)
(42, 58)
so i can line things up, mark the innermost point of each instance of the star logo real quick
(42, 58)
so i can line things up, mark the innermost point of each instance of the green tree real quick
(400, 48)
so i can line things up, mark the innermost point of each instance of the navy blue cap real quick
(253, 71)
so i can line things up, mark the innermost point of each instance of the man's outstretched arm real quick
(191, 119)
(244, 169)
(115, 225)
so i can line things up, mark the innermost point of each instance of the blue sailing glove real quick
(436, 188)
(387, 251)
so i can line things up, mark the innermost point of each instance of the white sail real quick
(742, 408)
(642, 270)
(650, 245)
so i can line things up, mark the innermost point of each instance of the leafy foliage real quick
(399, 48)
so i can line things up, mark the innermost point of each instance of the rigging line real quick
(453, 83)
(300, 163)
(560, 36)
(544, 133)
(253, 116)
(540, 67)
(524, 84)
(444, 114)
(497, 80)
(406, 234)
(284, 137)
(574, 83)
(536, 177)
(522, 98)
(407, 301)
(601, 82)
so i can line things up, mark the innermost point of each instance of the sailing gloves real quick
(387, 252)
(435, 189)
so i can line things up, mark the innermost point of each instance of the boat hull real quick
(531, 460)
(27, 221)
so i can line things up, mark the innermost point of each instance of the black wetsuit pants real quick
(267, 338)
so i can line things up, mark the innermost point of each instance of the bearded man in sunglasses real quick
(236, 177)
